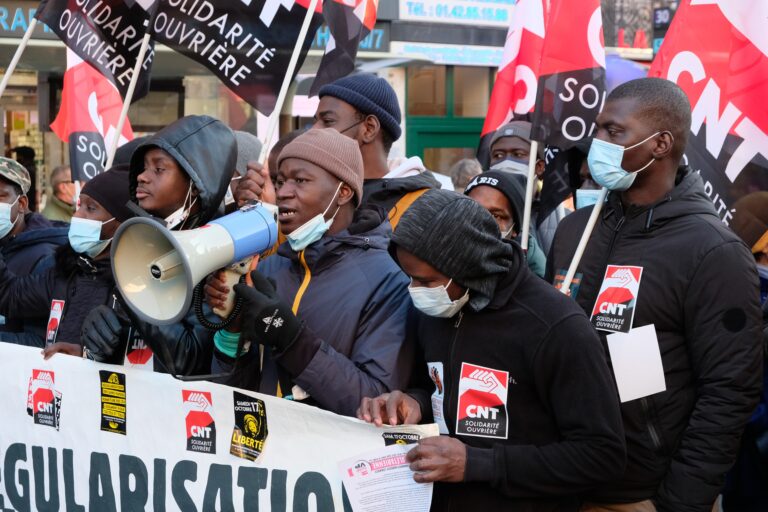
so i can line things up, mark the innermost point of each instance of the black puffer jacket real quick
(699, 287)
(207, 151)
(82, 283)
(30, 252)
(386, 192)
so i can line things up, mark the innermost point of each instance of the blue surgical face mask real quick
(85, 236)
(312, 230)
(604, 160)
(586, 197)
(6, 224)
(436, 301)
(511, 166)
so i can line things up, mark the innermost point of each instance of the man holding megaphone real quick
(180, 175)
(330, 308)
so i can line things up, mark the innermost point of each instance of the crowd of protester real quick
(396, 297)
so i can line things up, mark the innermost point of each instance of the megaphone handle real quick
(231, 278)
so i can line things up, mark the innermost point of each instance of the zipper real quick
(651, 428)
(448, 395)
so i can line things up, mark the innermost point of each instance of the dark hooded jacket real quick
(30, 252)
(81, 282)
(354, 310)
(551, 429)
(699, 287)
(386, 192)
(206, 151)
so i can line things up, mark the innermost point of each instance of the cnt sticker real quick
(482, 410)
(54, 319)
(201, 429)
(43, 401)
(250, 432)
(137, 352)
(113, 402)
(614, 308)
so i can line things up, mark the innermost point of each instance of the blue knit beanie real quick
(371, 95)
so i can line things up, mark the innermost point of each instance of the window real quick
(470, 91)
(426, 91)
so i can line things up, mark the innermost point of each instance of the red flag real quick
(717, 52)
(514, 92)
(87, 119)
(349, 21)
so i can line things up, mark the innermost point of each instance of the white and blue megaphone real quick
(156, 270)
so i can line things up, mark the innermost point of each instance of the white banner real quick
(78, 435)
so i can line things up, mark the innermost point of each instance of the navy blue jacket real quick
(30, 252)
(354, 308)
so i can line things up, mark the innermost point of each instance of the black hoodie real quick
(206, 150)
(559, 429)
(699, 287)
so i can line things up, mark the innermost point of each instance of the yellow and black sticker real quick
(250, 432)
(113, 402)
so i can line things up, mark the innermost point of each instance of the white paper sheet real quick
(636, 361)
(381, 481)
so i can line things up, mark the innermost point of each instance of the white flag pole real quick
(129, 97)
(274, 119)
(17, 56)
(566, 286)
(529, 194)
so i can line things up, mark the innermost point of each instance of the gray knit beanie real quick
(248, 149)
(458, 237)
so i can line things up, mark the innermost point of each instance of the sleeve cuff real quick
(479, 467)
(297, 356)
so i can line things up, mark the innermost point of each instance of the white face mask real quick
(6, 224)
(436, 301)
(505, 234)
(512, 167)
(314, 229)
(178, 217)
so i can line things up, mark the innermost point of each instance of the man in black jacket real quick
(365, 108)
(514, 374)
(697, 286)
(28, 242)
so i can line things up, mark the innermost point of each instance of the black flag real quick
(246, 43)
(107, 34)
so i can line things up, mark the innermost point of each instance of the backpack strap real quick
(402, 205)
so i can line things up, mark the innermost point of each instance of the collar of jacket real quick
(687, 198)
(370, 229)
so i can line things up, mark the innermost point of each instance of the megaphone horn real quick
(156, 270)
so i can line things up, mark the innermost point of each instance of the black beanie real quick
(110, 190)
(458, 237)
(371, 95)
(508, 184)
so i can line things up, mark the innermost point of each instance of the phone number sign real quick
(463, 12)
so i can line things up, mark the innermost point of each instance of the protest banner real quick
(349, 23)
(724, 72)
(247, 44)
(81, 434)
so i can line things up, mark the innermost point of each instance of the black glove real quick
(266, 319)
(100, 333)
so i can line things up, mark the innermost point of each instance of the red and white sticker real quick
(614, 309)
(54, 319)
(438, 378)
(137, 352)
(482, 410)
(201, 429)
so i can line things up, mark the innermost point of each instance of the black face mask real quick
(352, 126)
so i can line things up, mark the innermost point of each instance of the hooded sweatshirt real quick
(524, 384)
(409, 176)
(206, 151)
(30, 252)
(699, 288)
